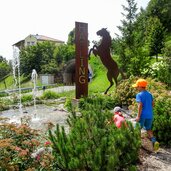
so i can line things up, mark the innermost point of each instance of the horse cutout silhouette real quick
(103, 51)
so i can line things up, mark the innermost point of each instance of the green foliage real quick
(4, 104)
(140, 28)
(167, 60)
(155, 36)
(162, 120)
(37, 57)
(92, 144)
(64, 53)
(71, 37)
(162, 10)
(26, 98)
(125, 92)
(160, 71)
(127, 38)
(68, 104)
(50, 95)
(127, 27)
(106, 102)
(133, 56)
(142, 35)
(139, 61)
(8, 82)
(4, 67)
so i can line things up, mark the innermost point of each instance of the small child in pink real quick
(118, 117)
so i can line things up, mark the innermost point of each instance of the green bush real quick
(161, 71)
(162, 120)
(4, 104)
(27, 98)
(50, 95)
(92, 144)
(105, 101)
(125, 92)
(3, 94)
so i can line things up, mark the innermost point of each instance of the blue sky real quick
(56, 18)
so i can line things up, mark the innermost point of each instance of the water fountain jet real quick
(16, 74)
(34, 80)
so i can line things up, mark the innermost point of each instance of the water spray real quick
(16, 74)
(34, 80)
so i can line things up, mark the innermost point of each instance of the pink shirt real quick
(118, 119)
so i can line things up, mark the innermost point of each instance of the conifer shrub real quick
(93, 145)
(105, 101)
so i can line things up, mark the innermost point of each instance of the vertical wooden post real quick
(81, 43)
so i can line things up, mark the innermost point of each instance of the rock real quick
(146, 143)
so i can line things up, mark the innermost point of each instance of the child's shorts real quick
(146, 123)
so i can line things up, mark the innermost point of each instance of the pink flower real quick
(17, 148)
(38, 157)
(22, 153)
(47, 143)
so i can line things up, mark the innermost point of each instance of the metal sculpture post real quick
(81, 42)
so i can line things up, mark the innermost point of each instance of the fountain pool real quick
(46, 115)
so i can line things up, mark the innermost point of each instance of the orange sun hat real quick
(140, 83)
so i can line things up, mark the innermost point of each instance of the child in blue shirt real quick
(145, 109)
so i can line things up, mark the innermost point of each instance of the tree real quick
(140, 28)
(126, 40)
(64, 53)
(5, 68)
(162, 10)
(155, 36)
(71, 37)
(37, 57)
(127, 28)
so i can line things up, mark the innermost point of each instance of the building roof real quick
(41, 38)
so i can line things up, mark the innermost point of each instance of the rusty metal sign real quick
(81, 48)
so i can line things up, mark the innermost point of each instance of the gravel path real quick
(159, 161)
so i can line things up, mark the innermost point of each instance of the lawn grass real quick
(9, 82)
(99, 82)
